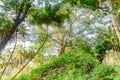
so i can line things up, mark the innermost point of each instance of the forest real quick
(59, 39)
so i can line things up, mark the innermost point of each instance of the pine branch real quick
(19, 19)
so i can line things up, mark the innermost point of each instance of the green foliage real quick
(105, 72)
(102, 72)
(77, 66)
(103, 46)
(116, 5)
(67, 66)
(5, 27)
(92, 4)
(116, 75)
(115, 42)
(80, 65)
(81, 44)
(49, 14)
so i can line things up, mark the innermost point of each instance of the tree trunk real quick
(19, 18)
(7, 38)
(63, 45)
(114, 20)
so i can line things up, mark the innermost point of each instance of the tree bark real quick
(63, 44)
(19, 18)
(114, 20)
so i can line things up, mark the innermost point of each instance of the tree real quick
(59, 14)
(115, 24)
(19, 18)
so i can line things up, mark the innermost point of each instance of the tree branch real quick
(31, 58)
(9, 57)
(19, 18)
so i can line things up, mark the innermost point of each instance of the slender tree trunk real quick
(62, 49)
(63, 45)
(114, 20)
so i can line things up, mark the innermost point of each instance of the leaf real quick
(2, 20)
(117, 69)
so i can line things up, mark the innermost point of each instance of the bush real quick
(102, 72)
(73, 66)
(102, 47)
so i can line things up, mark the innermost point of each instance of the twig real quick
(51, 36)
(32, 57)
(9, 57)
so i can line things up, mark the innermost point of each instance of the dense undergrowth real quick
(73, 66)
